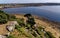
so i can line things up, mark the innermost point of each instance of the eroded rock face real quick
(1, 36)
(10, 28)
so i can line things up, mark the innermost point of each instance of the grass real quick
(49, 35)
(11, 36)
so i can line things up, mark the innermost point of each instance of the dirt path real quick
(3, 30)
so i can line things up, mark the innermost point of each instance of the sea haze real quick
(50, 12)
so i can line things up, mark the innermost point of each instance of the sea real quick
(50, 12)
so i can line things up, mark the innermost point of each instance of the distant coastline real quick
(14, 5)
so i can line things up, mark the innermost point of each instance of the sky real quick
(29, 1)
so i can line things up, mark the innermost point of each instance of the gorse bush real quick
(10, 36)
(27, 15)
(12, 17)
(49, 34)
(20, 22)
(30, 20)
(3, 17)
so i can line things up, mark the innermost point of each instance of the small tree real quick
(49, 34)
(21, 22)
(31, 21)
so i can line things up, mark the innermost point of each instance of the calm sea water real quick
(50, 12)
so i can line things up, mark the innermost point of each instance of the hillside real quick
(27, 26)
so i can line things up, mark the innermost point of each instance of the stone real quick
(11, 26)
(2, 36)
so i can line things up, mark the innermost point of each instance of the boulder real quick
(2, 36)
(10, 28)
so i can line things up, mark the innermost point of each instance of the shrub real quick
(30, 36)
(27, 15)
(17, 27)
(40, 28)
(34, 34)
(12, 17)
(3, 18)
(49, 34)
(3, 21)
(10, 36)
(21, 22)
(2, 11)
(31, 21)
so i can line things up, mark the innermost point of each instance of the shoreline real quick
(38, 17)
(55, 25)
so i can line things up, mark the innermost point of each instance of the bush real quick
(3, 18)
(21, 22)
(34, 34)
(17, 27)
(12, 17)
(10, 36)
(49, 35)
(40, 28)
(31, 21)
(2, 11)
(30, 36)
(3, 21)
(27, 15)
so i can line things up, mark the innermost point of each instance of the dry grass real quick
(39, 22)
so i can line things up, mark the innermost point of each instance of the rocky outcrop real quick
(11, 26)
(2, 36)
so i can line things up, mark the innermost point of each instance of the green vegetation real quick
(12, 17)
(30, 20)
(22, 30)
(11, 36)
(20, 22)
(3, 17)
(25, 29)
(49, 35)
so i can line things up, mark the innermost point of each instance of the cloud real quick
(28, 1)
